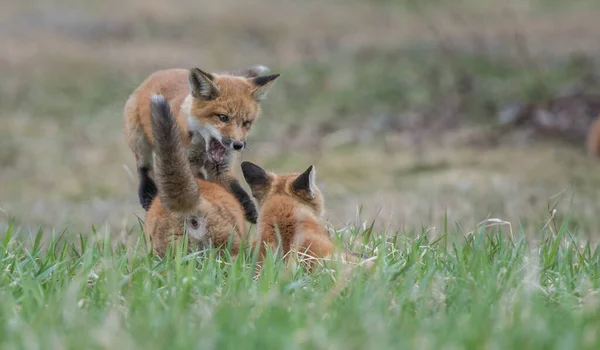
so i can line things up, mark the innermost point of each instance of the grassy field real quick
(485, 290)
(394, 102)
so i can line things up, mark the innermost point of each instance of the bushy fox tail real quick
(177, 188)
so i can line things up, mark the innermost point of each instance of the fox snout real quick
(236, 145)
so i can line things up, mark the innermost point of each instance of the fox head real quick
(301, 187)
(223, 107)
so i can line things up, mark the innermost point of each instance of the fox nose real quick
(238, 145)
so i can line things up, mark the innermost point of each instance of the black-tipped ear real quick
(202, 85)
(263, 84)
(306, 182)
(254, 175)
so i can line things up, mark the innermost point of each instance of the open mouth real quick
(216, 151)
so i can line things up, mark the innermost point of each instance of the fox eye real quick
(194, 224)
(246, 124)
(223, 118)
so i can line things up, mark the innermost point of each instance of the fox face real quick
(222, 109)
(301, 187)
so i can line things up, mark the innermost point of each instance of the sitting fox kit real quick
(214, 113)
(291, 207)
(208, 212)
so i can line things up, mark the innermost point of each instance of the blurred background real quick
(410, 110)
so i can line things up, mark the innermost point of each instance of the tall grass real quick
(483, 290)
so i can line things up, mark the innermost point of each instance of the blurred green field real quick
(383, 97)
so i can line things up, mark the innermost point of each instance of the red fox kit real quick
(208, 211)
(291, 207)
(214, 112)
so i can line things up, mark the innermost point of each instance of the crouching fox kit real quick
(291, 207)
(214, 112)
(208, 212)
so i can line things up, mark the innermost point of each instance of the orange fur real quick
(210, 214)
(291, 206)
(235, 101)
(223, 217)
(593, 138)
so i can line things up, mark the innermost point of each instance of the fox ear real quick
(263, 84)
(202, 85)
(255, 176)
(306, 182)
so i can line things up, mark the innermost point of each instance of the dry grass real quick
(67, 69)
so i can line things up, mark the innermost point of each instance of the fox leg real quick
(147, 189)
(142, 149)
(223, 175)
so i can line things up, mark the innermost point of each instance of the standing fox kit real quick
(208, 212)
(291, 207)
(214, 113)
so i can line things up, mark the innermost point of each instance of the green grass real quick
(454, 291)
